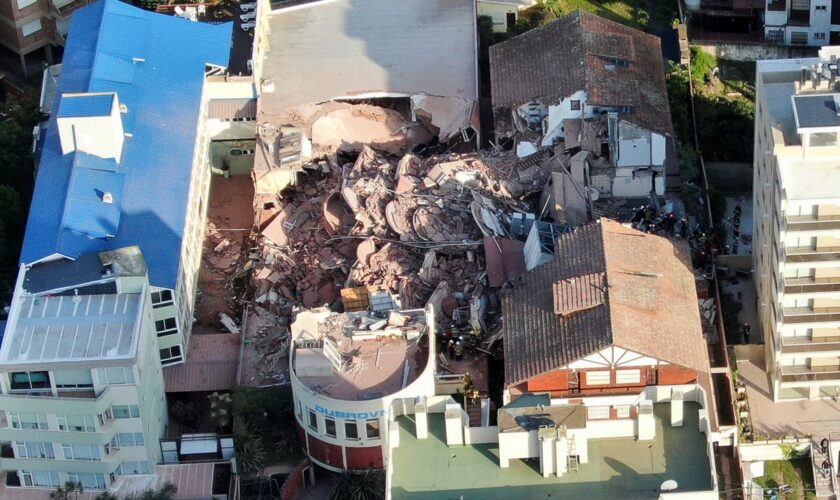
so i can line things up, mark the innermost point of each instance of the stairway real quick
(822, 482)
(474, 412)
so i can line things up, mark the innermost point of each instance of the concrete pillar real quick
(814, 392)
(647, 421)
(547, 437)
(677, 408)
(561, 452)
(421, 419)
(454, 425)
(581, 446)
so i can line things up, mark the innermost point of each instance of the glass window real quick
(76, 423)
(88, 480)
(313, 420)
(116, 376)
(126, 411)
(31, 27)
(601, 377)
(85, 452)
(823, 139)
(135, 468)
(25, 420)
(622, 411)
(330, 426)
(24, 381)
(628, 376)
(575, 105)
(34, 450)
(166, 326)
(130, 439)
(36, 478)
(162, 298)
(598, 412)
(170, 355)
(372, 427)
(73, 378)
(351, 429)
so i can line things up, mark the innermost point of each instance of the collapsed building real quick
(593, 90)
(328, 83)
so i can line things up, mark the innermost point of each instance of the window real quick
(598, 412)
(313, 420)
(822, 139)
(37, 478)
(330, 426)
(819, 36)
(799, 37)
(820, 7)
(351, 430)
(30, 28)
(169, 355)
(134, 468)
(131, 439)
(776, 36)
(34, 421)
(116, 376)
(598, 378)
(22, 4)
(27, 381)
(84, 452)
(88, 480)
(76, 423)
(575, 105)
(126, 411)
(162, 298)
(73, 379)
(628, 376)
(166, 326)
(34, 450)
(372, 427)
(622, 411)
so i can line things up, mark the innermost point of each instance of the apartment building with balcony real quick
(81, 386)
(796, 240)
(30, 27)
(802, 22)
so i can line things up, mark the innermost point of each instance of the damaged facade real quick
(337, 87)
(586, 84)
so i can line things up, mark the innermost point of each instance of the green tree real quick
(71, 490)
(250, 452)
(366, 485)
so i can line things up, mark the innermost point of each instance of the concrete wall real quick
(481, 435)
(761, 452)
(754, 52)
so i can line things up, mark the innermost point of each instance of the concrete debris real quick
(445, 117)
(353, 127)
(228, 323)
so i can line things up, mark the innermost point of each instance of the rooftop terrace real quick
(354, 356)
(617, 468)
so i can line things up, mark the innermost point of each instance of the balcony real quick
(64, 8)
(811, 254)
(810, 315)
(808, 344)
(808, 374)
(811, 223)
(811, 285)
(75, 401)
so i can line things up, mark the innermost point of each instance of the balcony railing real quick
(812, 222)
(810, 374)
(811, 254)
(808, 344)
(810, 315)
(811, 285)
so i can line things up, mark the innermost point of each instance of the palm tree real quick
(165, 492)
(250, 454)
(367, 485)
(71, 490)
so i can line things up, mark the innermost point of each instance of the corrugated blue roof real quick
(85, 105)
(161, 89)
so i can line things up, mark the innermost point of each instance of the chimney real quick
(107, 198)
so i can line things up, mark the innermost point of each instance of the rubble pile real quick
(403, 223)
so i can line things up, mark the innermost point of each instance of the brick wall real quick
(676, 375)
(557, 382)
(295, 482)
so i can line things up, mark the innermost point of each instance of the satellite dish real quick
(668, 485)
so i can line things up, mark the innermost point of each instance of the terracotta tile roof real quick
(650, 305)
(211, 365)
(575, 53)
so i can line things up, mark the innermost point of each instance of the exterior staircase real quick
(474, 412)
(823, 483)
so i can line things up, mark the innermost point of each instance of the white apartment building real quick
(796, 240)
(801, 22)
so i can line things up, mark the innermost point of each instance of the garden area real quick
(795, 473)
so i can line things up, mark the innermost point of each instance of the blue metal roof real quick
(155, 64)
(85, 105)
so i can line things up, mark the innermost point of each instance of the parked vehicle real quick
(248, 26)
(248, 16)
(248, 6)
